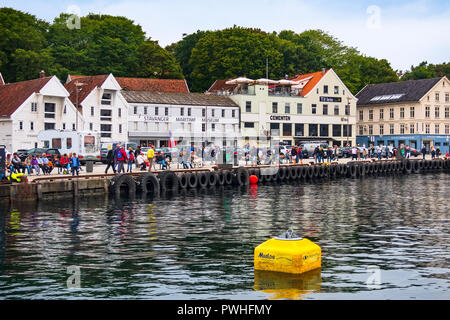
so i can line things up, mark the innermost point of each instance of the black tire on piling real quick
(344, 170)
(121, 182)
(415, 167)
(304, 172)
(168, 181)
(202, 179)
(333, 171)
(310, 172)
(212, 179)
(407, 166)
(183, 181)
(282, 173)
(228, 175)
(148, 183)
(316, 170)
(294, 173)
(352, 171)
(220, 178)
(192, 180)
(241, 177)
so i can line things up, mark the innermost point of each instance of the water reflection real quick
(198, 244)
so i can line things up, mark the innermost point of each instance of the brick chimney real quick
(42, 74)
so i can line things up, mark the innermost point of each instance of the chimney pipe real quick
(323, 71)
(42, 74)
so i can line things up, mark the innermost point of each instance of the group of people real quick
(43, 163)
(322, 155)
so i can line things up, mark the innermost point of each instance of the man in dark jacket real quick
(110, 161)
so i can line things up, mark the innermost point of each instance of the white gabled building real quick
(28, 107)
(102, 105)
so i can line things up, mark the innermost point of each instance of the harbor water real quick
(381, 238)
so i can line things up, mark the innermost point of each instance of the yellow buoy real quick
(288, 253)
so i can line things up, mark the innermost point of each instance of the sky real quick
(403, 32)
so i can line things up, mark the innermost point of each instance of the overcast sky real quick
(403, 32)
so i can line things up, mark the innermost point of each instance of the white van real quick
(85, 144)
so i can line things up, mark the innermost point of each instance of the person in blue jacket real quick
(75, 164)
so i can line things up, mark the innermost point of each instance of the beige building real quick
(315, 107)
(413, 113)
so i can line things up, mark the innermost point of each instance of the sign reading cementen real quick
(280, 118)
(330, 99)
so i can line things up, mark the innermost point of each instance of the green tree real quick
(426, 71)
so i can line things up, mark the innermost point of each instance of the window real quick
(347, 110)
(411, 112)
(447, 129)
(65, 109)
(436, 112)
(20, 125)
(336, 110)
(136, 126)
(370, 115)
(105, 130)
(313, 108)
(213, 127)
(411, 128)
(447, 112)
(203, 112)
(49, 126)
(56, 143)
(370, 129)
(212, 112)
(166, 111)
(74, 127)
(249, 124)
(49, 110)
(299, 108)
(402, 113)
(336, 89)
(106, 99)
(361, 115)
(381, 114)
(233, 113)
(64, 126)
(436, 128)
(274, 129)
(156, 111)
(381, 129)
(119, 111)
(203, 127)
(145, 110)
(391, 113)
(223, 113)
(69, 143)
(181, 111)
(189, 112)
(347, 130)
(337, 130)
(325, 89)
(427, 112)
(33, 107)
(31, 125)
(361, 130)
(134, 110)
(402, 128)
(287, 108)
(92, 111)
(436, 96)
(391, 128)
(299, 129)
(120, 128)
(248, 106)
(105, 115)
(91, 126)
(447, 98)
(274, 107)
(287, 129)
(313, 130)
(427, 128)
(325, 109)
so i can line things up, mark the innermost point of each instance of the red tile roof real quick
(160, 85)
(13, 95)
(220, 85)
(90, 83)
(316, 77)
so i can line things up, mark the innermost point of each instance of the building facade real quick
(311, 108)
(28, 107)
(412, 113)
(158, 117)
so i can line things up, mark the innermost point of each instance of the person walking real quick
(110, 161)
(424, 152)
(379, 152)
(150, 157)
(137, 152)
(75, 164)
(433, 153)
(438, 152)
(121, 158)
(408, 152)
(64, 162)
(130, 160)
(354, 153)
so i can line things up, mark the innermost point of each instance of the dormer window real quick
(106, 99)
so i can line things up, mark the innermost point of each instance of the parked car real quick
(103, 154)
(40, 151)
(22, 153)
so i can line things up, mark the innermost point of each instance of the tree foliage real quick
(425, 70)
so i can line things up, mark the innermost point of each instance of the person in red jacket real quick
(121, 158)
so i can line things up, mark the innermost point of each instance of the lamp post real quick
(77, 85)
